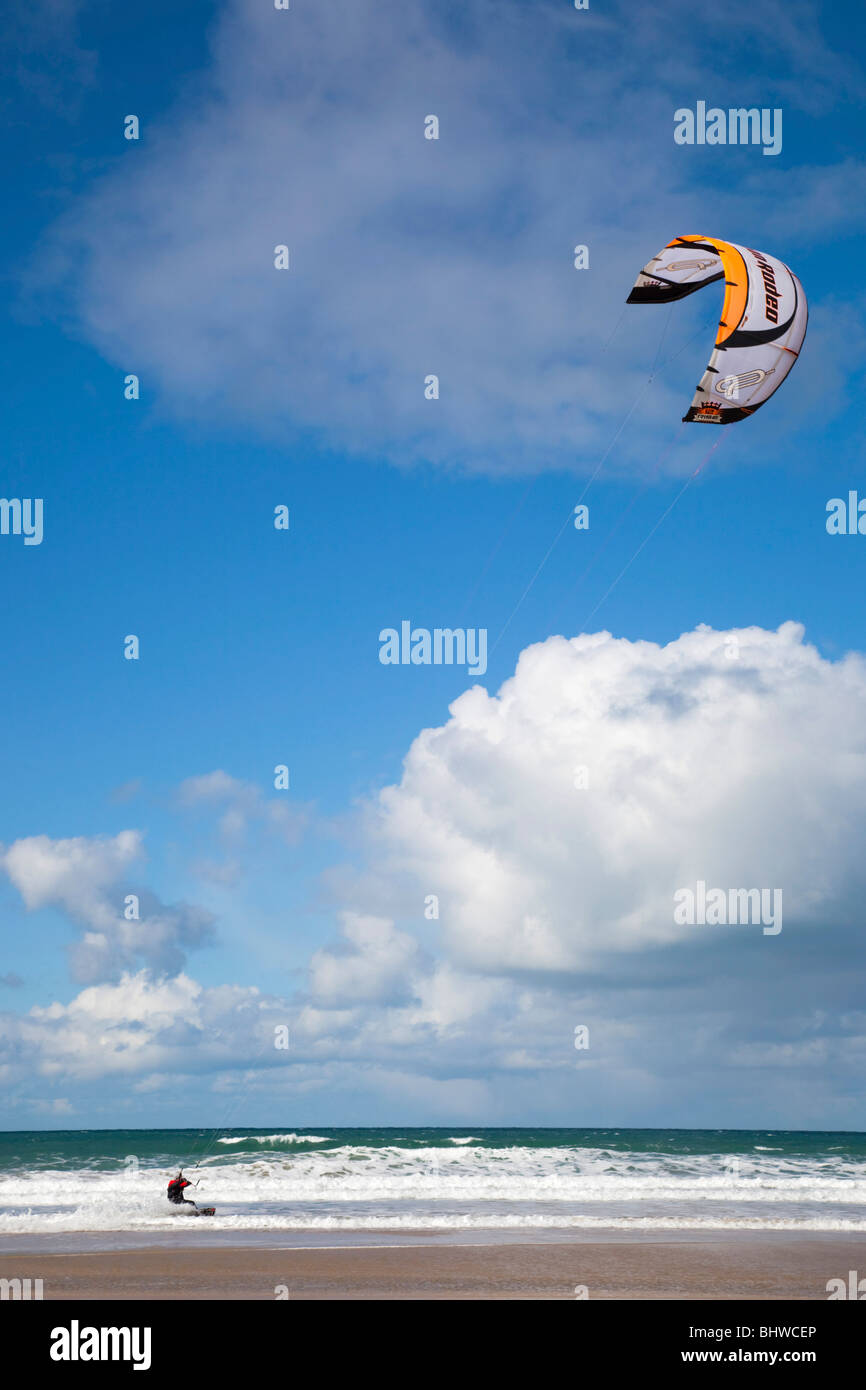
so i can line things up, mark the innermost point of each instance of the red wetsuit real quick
(175, 1191)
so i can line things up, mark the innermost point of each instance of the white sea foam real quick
(463, 1186)
(36, 1224)
(276, 1139)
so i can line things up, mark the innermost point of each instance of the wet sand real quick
(750, 1266)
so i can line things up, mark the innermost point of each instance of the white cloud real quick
(741, 772)
(140, 1025)
(90, 880)
(72, 873)
(556, 910)
(373, 962)
(450, 257)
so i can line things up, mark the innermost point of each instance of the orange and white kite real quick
(761, 330)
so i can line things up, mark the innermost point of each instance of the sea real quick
(88, 1189)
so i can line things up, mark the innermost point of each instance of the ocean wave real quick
(341, 1185)
(71, 1222)
(276, 1139)
(288, 1179)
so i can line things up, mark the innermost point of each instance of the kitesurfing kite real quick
(761, 330)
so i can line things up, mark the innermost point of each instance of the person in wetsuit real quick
(175, 1190)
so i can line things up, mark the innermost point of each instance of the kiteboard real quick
(206, 1211)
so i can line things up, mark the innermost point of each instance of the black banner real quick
(140, 1338)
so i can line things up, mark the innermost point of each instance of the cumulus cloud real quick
(89, 878)
(554, 821)
(733, 758)
(140, 1024)
(373, 962)
(412, 256)
(72, 873)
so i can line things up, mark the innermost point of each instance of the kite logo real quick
(689, 265)
(711, 413)
(731, 386)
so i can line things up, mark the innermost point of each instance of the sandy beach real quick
(750, 1266)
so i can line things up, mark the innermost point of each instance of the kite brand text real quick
(772, 293)
(22, 515)
(444, 646)
(736, 126)
(734, 907)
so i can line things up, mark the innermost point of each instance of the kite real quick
(761, 330)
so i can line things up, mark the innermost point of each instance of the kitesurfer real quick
(175, 1190)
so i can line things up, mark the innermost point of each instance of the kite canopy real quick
(761, 330)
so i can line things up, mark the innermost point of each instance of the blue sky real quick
(260, 647)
